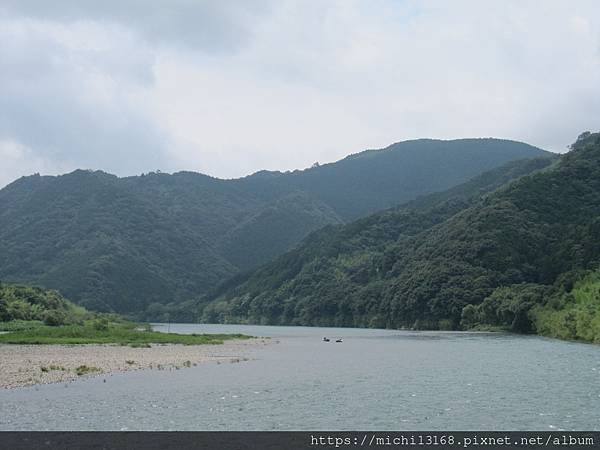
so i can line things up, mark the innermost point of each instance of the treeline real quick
(477, 259)
(21, 305)
(568, 309)
(18, 302)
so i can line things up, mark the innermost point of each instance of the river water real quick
(373, 380)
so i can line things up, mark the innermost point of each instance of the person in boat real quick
(339, 340)
(325, 339)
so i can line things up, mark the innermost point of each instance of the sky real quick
(230, 88)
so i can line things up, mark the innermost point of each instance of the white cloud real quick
(65, 94)
(229, 89)
(18, 159)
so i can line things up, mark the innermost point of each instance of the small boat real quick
(339, 340)
(325, 339)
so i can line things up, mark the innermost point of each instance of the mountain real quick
(377, 179)
(524, 257)
(121, 244)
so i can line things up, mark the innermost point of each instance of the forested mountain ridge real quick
(120, 244)
(349, 254)
(497, 262)
(373, 180)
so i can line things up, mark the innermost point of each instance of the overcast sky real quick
(231, 87)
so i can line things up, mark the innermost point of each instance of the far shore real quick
(26, 365)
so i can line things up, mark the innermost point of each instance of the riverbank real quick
(25, 365)
(102, 332)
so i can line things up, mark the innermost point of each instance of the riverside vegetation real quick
(33, 315)
(523, 257)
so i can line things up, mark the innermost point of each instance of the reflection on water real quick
(375, 379)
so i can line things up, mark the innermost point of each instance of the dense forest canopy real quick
(460, 260)
(27, 303)
(124, 244)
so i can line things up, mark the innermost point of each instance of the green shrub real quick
(4, 316)
(84, 370)
(100, 324)
(54, 317)
(574, 314)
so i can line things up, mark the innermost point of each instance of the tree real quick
(54, 318)
(4, 315)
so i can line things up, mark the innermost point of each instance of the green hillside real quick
(571, 313)
(338, 261)
(20, 304)
(122, 244)
(31, 315)
(444, 263)
(378, 179)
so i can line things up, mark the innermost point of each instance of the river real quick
(373, 380)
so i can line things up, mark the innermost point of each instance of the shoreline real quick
(29, 365)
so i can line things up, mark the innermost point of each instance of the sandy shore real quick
(23, 365)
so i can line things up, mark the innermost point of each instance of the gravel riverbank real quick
(23, 365)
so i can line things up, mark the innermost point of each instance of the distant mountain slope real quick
(120, 244)
(277, 227)
(88, 236)
(377, 179)
(422, 264)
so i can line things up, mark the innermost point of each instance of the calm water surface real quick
(375, 379)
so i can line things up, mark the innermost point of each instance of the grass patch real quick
(140, 345)
(20, 325)
(126, 333)
(52, 367)
(85, 370)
